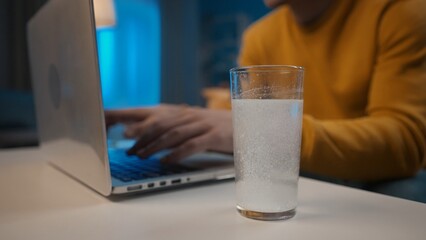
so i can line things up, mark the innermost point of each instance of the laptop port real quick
(150, 185)
(163, 183)
(134, 188)
(176, 181)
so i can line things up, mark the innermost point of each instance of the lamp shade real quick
(104, 13)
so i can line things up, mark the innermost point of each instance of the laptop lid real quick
(67, 92)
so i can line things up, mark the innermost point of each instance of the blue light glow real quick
(129, 55)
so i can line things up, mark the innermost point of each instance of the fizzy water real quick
(267, 140)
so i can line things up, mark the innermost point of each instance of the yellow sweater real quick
(365, 84)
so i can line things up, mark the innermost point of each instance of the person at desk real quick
(365, 89)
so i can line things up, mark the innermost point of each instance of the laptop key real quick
(128, 168)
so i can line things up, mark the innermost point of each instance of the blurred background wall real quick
(17, 116)
(157, 51)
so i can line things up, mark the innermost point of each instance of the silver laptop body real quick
(68, 101)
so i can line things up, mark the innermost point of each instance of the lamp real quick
(104, 13)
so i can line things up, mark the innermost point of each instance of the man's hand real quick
(185, 130)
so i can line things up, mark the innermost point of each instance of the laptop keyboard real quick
(132, 168)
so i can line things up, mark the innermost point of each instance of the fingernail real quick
(129, 133)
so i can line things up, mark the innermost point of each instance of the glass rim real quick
(267, 68)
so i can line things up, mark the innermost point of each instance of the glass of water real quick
(267, 107)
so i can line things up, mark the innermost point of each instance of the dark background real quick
(199, 45)
(17, 120)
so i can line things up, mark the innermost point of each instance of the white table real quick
(39, 202)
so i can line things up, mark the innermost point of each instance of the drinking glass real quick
(267, 107)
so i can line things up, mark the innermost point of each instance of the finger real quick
(126, 115)
(173, 137)
(151, 126)
(144, 133)
(157, 124)
(188, 148)
(136, 129)
(152, 129)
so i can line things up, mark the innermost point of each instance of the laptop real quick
(69, 109)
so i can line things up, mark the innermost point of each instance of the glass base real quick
(267, 216)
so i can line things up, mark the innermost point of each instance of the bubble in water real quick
(267, 137)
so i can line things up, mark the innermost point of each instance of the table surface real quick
(39, 202)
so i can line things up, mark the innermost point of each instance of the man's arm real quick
(390, 141)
